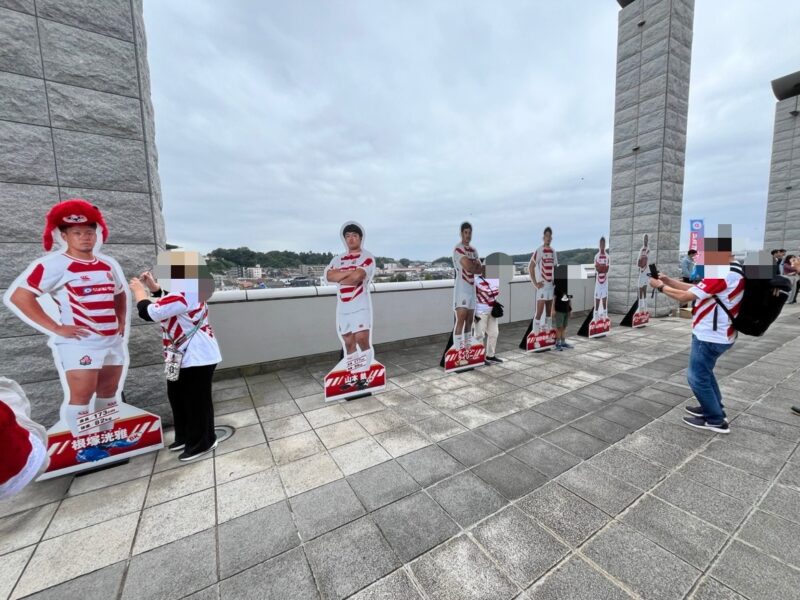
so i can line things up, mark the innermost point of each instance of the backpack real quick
(760, 304)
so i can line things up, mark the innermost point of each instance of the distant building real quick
(312, 270)
(236, 272)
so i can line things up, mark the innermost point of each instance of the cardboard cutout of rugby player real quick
(357, 373)
(544, 260)
(642, 315)
(600, 324)
(465, 352)
(78, 298)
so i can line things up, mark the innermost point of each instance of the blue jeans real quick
(701, 378)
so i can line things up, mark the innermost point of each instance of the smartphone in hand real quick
(653, 271)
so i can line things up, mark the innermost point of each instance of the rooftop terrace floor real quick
(559, 475)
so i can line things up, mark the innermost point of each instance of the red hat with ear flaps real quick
(71, 212)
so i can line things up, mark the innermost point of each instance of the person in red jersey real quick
(89, 291)
(541, 268)
(712, 329)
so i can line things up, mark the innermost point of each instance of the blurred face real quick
(602, 245)
(466, 235)
(645, 240)
(80, 238)
(547, 237)
(352, 240)
(184, 273)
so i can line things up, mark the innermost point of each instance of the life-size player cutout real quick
(639, 313)
(542, 335)
(600, 324)
(78, 298)
(357, 373)
(465, 351)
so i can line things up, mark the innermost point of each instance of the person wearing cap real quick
(88, 337)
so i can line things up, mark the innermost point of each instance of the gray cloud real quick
(276, 122)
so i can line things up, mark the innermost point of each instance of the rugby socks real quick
(103, 404)
(70, 413)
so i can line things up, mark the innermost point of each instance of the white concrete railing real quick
(256, 326)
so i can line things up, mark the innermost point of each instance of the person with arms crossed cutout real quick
(602, 263)
(644, 275)
(541, 269)
(466, 264)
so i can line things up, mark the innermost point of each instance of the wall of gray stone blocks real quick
(654, 50)
(782, 228)
(76, 120)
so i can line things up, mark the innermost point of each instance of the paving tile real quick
(582, 402)
(690, 538)
(327, 416)
(244, 437)
(504, 434)
(247, 494)
(47, 566)
(359, 455)
(731, 481)
(98, 506)
(643, 405)
(233, 405)
(545, 457)
(773, 535)
(172, 484)
(458, 570)
(765, 466)
(166, 460)
(472, 416)
(737, 564)
(466, 498)
(469, 448)
(11, 568)
(760, 442)
(606, 492)
(559, 411)
(397, 586)
(702, 501)
(429, 465)
(630, 419)
(325, 508)
(242, 463)
(36, 494)
(646, 568)
(307, 473)
(661, 453)
(382, 484)
(576, 580)
(402, 440)
(438, 428)
(138, 466)
(784, 502)
(295, 447)
(363, 406)
(576, 442)
(25, 528)
(243, 418)
(170, 521)
(711, 589)
(533, 422)
(509, 476)
(602, 393)
(285, 427)
(350, 558)
(97, 585)
(597, 427)
(415, 411)
(677, 434)
(341, 433)
(783, 430)
(255, 537)
(381, 421)
(521, 547)
(570, 516)
(414, 525)
(278, 410)
(628, 467)
(287, 577)
(209, 593)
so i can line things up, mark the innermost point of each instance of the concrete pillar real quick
(76, 121)
(654, 49)
(782, 228)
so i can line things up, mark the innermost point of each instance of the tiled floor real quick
(563, 475)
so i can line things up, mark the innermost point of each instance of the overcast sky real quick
(278, 121)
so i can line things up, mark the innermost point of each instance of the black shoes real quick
(796, 410)
(176, 446)
(493, 359)
(187, 457)
(700, 423)
(695, 411)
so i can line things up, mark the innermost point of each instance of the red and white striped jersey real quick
(349, 293)
(730, 290)
(601, 260)
(486, 291)
(644, 259)
(177, 316)
(84, 292)
(460, 252)
(545, 261)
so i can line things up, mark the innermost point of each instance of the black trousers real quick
(192, 408)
